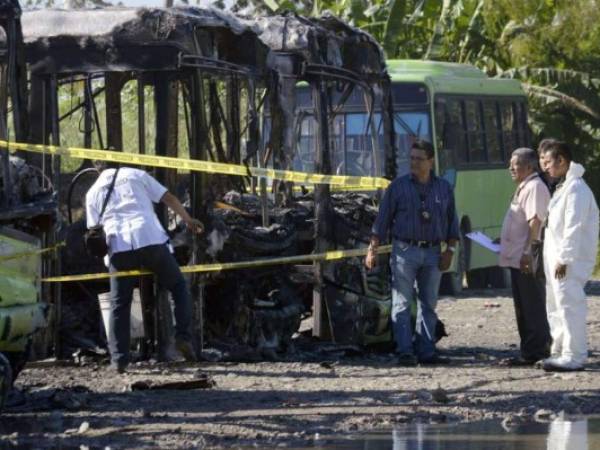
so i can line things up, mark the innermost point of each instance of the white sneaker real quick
(551, 359)
(561, 364)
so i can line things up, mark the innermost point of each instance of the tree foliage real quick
(553, 46)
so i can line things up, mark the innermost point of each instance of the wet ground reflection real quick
(560, 434)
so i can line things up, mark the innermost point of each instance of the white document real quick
(484, 240)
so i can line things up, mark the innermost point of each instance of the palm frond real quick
(436, 42)
(548, 94)
(551, 75)
(393, 27)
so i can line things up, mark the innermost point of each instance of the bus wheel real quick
(5, 380)
(477, 279)
(452, 283)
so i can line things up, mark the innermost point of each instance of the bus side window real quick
(455, 133)
(439, 113)
(522, 129)
(509, 132)
(304, 158)
(356, 146)
(444, 141)
(336, 147)
(475, 131)
(493, 131)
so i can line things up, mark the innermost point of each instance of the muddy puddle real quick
(577, 433)
(559, 434)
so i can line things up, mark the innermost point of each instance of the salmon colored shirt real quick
(530, 200)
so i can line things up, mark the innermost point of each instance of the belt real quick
(420, 244)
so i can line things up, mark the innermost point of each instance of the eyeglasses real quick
(418, 158)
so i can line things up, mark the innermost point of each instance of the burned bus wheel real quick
(5, 379)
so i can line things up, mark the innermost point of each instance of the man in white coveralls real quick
(570, 246)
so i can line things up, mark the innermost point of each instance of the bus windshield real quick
(352, 142)
(408, 126)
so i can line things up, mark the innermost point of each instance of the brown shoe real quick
(186, 349)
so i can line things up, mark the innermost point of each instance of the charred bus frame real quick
(193, 50)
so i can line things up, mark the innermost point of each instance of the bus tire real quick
(477, 279)
(452, 283)
(5, 380)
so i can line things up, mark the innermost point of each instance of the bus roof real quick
(451, 78)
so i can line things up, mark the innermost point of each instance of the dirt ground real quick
(291, 403)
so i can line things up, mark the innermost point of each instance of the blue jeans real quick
(157, 259)
(410, 264)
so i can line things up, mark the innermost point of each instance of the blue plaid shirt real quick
(402, 207)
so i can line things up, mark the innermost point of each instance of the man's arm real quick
(535, 206)
(91, 213)
(173, 202)
(534, 231)
(452, 235)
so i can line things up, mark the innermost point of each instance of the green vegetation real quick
(552, 46)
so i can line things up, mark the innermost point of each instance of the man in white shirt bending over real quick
(137, 240)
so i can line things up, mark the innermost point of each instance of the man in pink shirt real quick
(522, 228)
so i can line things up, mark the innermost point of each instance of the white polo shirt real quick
(129, 220)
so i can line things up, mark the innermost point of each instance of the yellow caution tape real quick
(336, 188)
(200, 166)
(31, 252)
(327, 256)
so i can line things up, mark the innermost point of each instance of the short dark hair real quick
(100, 164)
(421, 144)
(544, 144)
(559, 148)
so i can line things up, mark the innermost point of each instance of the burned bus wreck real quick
(27, 213)
(203, 84)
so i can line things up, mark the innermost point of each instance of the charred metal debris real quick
(210, 85)
(27, 211)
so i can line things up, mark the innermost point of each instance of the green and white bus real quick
(474, 122)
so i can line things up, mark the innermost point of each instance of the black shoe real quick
(119, 368)
(186, 349)
(518, 362)
(539, 364)
(434, 361)
(406, 360)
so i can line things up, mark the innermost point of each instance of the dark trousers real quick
(529, 296)
(157, 259)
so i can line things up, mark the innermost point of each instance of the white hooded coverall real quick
(571, 238)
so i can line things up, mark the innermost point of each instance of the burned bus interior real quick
(202, 84)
